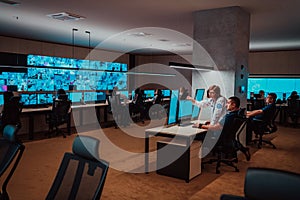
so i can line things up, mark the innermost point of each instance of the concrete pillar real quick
(222, 40)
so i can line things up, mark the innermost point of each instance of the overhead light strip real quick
(150, 74)
(189, 66)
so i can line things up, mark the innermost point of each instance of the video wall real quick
(280, 86)
(45, 78)
(46, 73)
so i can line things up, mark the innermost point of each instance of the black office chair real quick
(265, 127)
(229, 144)
(293, 110)
(264, 183)
(118, 111)
(81, 174)
(60, 114)
(11, 150)
(12, 109)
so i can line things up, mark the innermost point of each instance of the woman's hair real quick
(216, 89)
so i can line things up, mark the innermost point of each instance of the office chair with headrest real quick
(264, 183)
(12, 109)
(11, 150)
(60, 114)
(264, 127)
(229, 144)
(293, 110)
(81, 174)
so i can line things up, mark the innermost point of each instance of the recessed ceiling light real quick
(64, 16)
(140, 34)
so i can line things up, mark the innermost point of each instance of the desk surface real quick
(176, 130)
(26, 110)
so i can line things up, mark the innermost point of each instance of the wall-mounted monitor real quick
(199, 94)
(173, 108)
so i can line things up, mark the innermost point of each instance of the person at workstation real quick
(216, 101)
(294, 96)
(266, 113)
(137, 105)
(157, 97)
(219, 131)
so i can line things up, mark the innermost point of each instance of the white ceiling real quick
(275, 24)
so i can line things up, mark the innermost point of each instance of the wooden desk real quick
(31, 112)
(187, 133)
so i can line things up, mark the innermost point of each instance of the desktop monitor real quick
(185, 111)
(44, 98)
(149, 93)
(198, 97)
(29, 100)
(173, 108)
(75, 97)
(101, 97)
(13, 88)
(90, 97)
(1, 99)
(166, 93)
(132, 94)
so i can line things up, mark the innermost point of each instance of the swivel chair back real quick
(61, 111)
(11, 150)
(264, 127)
(229, 143)
(293, 110)
(264, 183)
(81, 174)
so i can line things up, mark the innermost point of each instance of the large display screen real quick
(279, 85)
(50, 61)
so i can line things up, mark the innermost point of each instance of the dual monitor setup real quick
(182, 111)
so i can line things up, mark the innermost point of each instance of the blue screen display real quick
(1, 99)
(172, 117)
(75, 97)
(276, 85)
(185, 109)
(101, 96)
(198, 97)
(90, 96)
(45, 98)
(29, 99)
(166, 93)
(149, 93)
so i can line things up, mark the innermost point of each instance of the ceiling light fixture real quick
(64, 16)
(140, 34)
(189, 66)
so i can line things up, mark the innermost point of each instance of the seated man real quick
(224, 126)
(265, 114)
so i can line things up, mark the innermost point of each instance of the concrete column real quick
(222, 40)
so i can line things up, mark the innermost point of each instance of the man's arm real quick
(254, 113)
